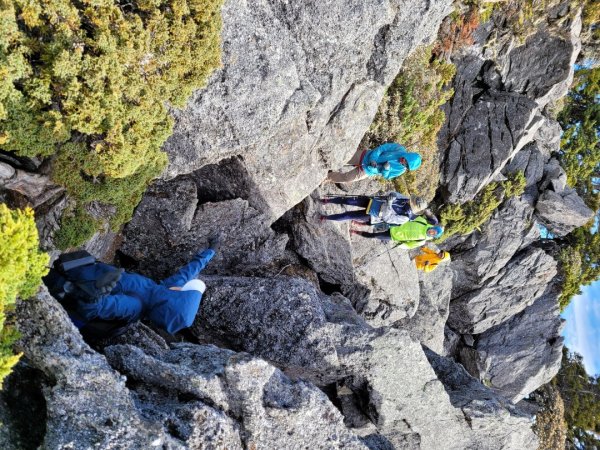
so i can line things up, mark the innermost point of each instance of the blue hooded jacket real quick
(136, 296)
(389, 153)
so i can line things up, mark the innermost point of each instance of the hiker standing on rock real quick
(104, 292)
(392, 209)
(411, 234)
(388, 161)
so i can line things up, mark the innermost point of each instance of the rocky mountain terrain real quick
(306, 337)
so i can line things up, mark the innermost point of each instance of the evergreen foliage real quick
(580, 145)
(410, 114)
(579, 258)
(465, 218)
(21, 267)
(581, 396)
(94, 81)
(579, 254)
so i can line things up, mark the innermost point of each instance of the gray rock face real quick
(391, 276)
(500, 90)
(494, 423)
(541, 69)
(283, 320)
(170, 226)
(520, 355)
(285, 104)
(562, 212)
(428, 323)
(321, 338)
(321, 245)
(494, 129)
(222, 399)
(484, 254)
(515, 287)
(87, 403)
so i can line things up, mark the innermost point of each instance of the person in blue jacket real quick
(171, 304)
(388, 161)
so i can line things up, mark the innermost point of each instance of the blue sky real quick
(582, 331)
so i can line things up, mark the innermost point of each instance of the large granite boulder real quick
(493, 130)
(211, 398)
(559, 208)
(171, 224)
(300, 84)
(390, 393)
(87, 403)
(542, 68)
(521, 354)
(391, 276)
(500, 89)
(485, 253)
(494, 422)
(562, 212)
(510, 291)
(282, 319)
(428, 324)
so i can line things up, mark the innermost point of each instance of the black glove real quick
(107, 282)
(214, 242)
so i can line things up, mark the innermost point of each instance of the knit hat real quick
(438, 231)
(413, 160)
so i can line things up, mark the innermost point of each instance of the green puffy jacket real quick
(411, 234)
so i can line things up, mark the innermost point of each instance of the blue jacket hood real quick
(413, 160)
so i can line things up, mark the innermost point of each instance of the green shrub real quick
(21, 267)
(410, 114)
(580, 145)
(94, 80)
(578, 261)
(463, 219)
(580, 157)
(76, 227)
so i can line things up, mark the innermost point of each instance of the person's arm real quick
(397, 220)
(385, 170)
(429, 267)
(191, 270)
(407, 245)
(431, 218)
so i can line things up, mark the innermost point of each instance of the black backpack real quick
(64, 285)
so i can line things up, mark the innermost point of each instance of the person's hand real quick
(387, 166)
(214, 242)
(107, 282)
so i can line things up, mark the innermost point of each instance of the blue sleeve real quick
(373, 155)
(391, 151)
(113, 307)
(191, 270)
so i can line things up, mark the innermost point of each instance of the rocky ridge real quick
(307, 337)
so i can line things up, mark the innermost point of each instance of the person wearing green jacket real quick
(409, 235)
